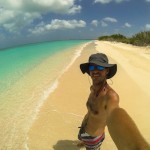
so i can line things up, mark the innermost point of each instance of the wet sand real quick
(56, 126)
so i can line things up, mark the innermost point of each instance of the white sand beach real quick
(56, 126)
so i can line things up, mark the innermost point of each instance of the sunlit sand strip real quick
(56, 129)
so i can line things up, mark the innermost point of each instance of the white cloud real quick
(147, 0)
(108, 1)
(109, 19)
(6, 15)
(102, 1)
(57, 24)
(75, 9)
(147, 26)
(127, 25)
(13, 21)
(120, 1)
(105, 21)
(55, 6)
(94, 23)
(104, 24)
(65, 24)
(16, 14)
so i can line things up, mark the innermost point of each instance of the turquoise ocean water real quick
(28, 74)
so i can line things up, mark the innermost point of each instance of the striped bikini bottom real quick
(91, 142)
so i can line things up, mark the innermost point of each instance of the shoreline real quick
(20, 109)
(34, 43)
(53, 108)
(57, 124)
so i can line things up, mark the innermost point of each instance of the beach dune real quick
(56, 126)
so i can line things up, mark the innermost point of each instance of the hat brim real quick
(112, 68)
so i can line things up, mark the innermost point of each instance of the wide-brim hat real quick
(101, 60)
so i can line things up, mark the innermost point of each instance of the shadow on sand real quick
(66, 145)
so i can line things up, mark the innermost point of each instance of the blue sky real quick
(28, 21)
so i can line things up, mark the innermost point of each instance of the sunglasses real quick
(91, 68)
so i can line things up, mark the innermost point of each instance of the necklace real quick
(101, 88)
